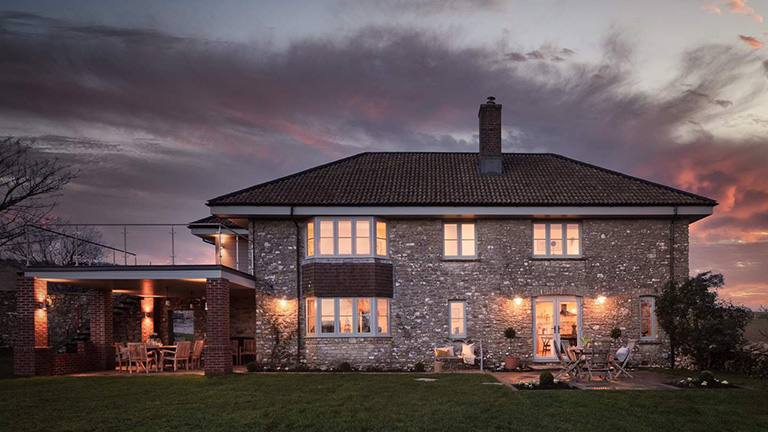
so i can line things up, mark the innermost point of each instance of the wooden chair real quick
(568, 367)
(249, 349)
(236, 352)
(138, 356)
(597, 361)
(183, 350)
(197, 353)
(620, 367)
(121, 356)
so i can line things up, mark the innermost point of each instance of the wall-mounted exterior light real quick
(601, 299)
(518, 301)
(283, 303)
(42, 306)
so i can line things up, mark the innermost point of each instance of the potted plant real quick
(511, 362)
(615, 333)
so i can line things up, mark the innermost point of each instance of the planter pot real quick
(511, 363)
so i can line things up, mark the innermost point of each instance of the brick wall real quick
(32, 324)
(623, 259)
(102, 322)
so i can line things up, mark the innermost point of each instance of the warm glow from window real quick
(347, 316)
(459, 240)
(456, 319)
(554, 239)
(311, 239)
(347, 237)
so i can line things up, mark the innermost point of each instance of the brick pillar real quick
(218, 350)
(31, 324)
(147, 318)
(102, 337)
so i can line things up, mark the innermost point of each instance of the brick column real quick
(31, 324)
(218, 350)
(102, 321)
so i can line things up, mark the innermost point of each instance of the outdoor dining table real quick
(157, 350)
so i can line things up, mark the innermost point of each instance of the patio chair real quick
(620, 365)
(597, 361)
(572, 356)
(121, 356)
(181, 354)
(138, 357)
(567, 366)
(197, 353)
(236, 352)
(249, 349)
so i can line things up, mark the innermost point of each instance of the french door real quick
(555, 319)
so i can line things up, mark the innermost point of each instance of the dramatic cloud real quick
(160, 123)
(749, 40)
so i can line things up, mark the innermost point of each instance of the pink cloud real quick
(749, 40)
(712, 8)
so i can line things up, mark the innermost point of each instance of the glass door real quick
(555, 319)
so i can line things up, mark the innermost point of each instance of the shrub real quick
(344, 367)
(707, 376)
(615, 333)
(546, 378)
(419, 367)
(252, 366)
(510, 333)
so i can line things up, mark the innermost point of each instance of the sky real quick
(163, 105)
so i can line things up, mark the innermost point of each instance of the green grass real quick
(354, 402)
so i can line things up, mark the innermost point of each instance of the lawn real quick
(361, 402)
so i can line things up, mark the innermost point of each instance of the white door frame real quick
(556, 321)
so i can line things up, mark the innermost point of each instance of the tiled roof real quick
(213, 221)
(442, 179)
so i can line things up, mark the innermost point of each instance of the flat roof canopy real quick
(146, 281)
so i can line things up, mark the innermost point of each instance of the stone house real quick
(377, 258)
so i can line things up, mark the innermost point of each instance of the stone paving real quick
(642, 380)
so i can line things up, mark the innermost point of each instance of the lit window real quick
(647, 318)
(346, 315)
(459, 240)
(381, 238)
(328, 315)
(363, 315)
(311, 239)
(382, 315)
(346, 237)
(326, 237)
(311, 316)
(555, 239)
(457, 319)
(341, 317)
(363, 240)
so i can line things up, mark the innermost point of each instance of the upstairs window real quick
(556, 239)
(346, 237)
(647, 318)
(459, 240)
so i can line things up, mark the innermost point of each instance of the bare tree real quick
(57, 245)
(28, 187)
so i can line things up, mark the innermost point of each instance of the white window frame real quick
(463, 318)
(459, 240)
(654, 327)
(372, 239)
(548, 230)
(355, 316)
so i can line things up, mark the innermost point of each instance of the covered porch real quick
(209, 290)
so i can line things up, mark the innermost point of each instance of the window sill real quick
(346, 259)
(558, 258)
(459, 259)
(648, 342)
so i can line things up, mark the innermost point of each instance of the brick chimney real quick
(489, 162)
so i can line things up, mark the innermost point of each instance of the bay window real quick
(346, 237)
(347, 317)
(556, 239)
